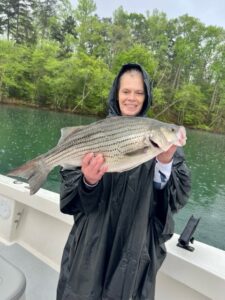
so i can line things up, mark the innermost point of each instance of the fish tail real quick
(35, 171)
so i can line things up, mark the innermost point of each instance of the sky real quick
(209, 12)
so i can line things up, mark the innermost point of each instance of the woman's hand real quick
(93, 167)
(167, 156)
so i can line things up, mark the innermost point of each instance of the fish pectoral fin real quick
(133, 159)
(67, 131)
(138, 151)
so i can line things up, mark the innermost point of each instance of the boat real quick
(33, 233)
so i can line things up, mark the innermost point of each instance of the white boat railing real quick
(36, 223)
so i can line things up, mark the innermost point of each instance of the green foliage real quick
(136, 54)
(62, 57)
(14, 75)
(92, 80)
(159, 98)
(189, 106)
(44, 66)
(16, 20)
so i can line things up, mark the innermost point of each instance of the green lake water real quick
(26, 133)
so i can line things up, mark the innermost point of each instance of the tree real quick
(84, 16)
(16, 20)
(91, 80)
(120, 32)
(139, 28)
(137, 54)
(44, 11)
(44, 65)
(189, 106)
(24, 29)
(186, 50)
(7, 17)
(15, 71)
(65, 33)
(61, 57)
(157, 35)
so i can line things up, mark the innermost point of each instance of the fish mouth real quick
(181, 135)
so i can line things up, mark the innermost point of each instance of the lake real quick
(26, 133)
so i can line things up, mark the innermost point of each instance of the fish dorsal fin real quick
(67, 131)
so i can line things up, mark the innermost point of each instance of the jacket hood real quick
(113, 106)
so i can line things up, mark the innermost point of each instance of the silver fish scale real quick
(113, 137)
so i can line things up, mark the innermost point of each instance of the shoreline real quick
(21, 103)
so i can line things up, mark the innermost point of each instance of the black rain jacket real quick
(116, 244)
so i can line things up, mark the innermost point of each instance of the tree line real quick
(63, 57)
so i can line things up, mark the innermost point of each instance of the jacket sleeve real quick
(173, 197)
(74, 195)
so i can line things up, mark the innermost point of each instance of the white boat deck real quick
(41, 280)
(33, 233)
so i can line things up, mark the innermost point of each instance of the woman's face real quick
(131, 95)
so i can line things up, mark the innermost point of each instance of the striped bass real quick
(125, 143)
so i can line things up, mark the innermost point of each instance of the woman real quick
(121, 220)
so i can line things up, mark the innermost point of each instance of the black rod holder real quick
(187, 235)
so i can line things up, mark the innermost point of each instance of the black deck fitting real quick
(187, 235)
